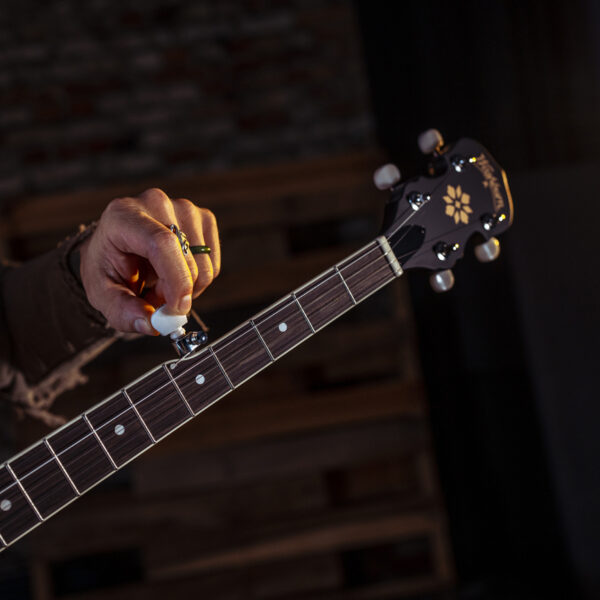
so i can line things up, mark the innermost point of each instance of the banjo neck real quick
(46, 477)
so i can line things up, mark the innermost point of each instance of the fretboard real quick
(47, 476)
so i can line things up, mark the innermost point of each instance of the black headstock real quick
(429, 219)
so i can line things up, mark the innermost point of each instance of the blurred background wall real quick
(273, 114)
(514, 372)
(106, 91)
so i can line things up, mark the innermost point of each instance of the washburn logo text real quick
(490, 180)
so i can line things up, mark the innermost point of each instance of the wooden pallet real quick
(315, 479)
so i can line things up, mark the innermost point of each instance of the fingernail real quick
(142, 326)
(185, 304)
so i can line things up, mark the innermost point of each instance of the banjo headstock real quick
(429, 219)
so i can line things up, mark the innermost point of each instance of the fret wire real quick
(95, 433)
(345, 285)
(374, 247)
(356, 256)
(353, 258)
(359, 254)
(4, 541)
(383, 284)
(135, 410)
(303, 313)
(291, 348)
(220, 367)
(61, 466)
(262, 340)
(133, 457)
(178, 390)
(384, 266)
(20, 485)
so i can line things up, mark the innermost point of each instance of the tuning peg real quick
(429, 141)
(386, 176)
(488, 251)
(167, 322)
(441, 281)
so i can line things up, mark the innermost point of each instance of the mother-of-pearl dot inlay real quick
(6, 504)
(200, 379)
(282, 327)
(119, 429)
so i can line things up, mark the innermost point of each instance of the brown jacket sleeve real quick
(47, 331)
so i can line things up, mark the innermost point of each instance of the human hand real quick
(133, 263)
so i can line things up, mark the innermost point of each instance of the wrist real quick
(74, 251)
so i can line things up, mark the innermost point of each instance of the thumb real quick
(127, 312)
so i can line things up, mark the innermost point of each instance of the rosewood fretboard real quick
(55, 471)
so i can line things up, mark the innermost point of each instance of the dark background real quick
(107, 93)
(511, 356)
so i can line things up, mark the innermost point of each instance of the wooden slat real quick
(314, 574)
(268, 282)
(243, 585)
(251, 418)
(59, 212)
(277, 457)
(255, 509)
(324, 538)
(410, 587)
(326, 451)
(134, 520)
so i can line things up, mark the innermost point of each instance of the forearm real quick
(48, 330)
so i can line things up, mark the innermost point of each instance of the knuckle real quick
(208, 215)
(186, 210)
(182, 285)
(185, 204)
(117, 206)
(162, 240)
(155, 197)
(154, 193)
(193, 266)
(204, 279)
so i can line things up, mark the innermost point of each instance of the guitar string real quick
(335, 273)
(375, 247)
(228, 342)
(285, 303)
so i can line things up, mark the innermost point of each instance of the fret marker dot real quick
(119, 429)
(282, 327)
(200, 379)
(6, 505)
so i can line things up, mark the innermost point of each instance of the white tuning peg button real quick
(387, 176)
(488, 251)
(168, 323)
(441, 281)
(429, 141)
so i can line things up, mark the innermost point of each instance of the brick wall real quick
(98, 91)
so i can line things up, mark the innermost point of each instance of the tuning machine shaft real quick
(171, 324)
